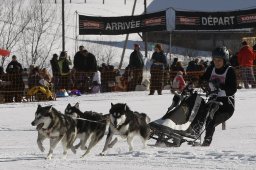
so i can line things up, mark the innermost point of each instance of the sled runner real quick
(185, 119)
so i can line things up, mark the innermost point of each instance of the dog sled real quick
(185, 119)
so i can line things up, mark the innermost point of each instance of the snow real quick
(201, 5)
(233, 148)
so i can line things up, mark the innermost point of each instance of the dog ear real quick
(125, 107)
(69, 105)
(112, 104)
(50, 109)
(77, 105)
(39, 106)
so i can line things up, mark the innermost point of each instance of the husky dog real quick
(55, 126)
(89, 124)
(127, 124)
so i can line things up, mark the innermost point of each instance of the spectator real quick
(179, 67)
(136, 65)
(246, 57)
(178, 83)
(173, 65)
(172, 69)
(37, 84)
(91, 62)
(193, 65)
(80, 60)
(46, 75)
(14, 66)
(234, 61)
(1, 70)
(55, 70)
(34, 77)
(64, 63)
(14, 75)
(96, 82)
(157, 70)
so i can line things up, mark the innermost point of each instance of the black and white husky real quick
(89, 125)
(127, 124)
(55, 126)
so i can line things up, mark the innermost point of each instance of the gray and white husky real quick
(55, 126)
(127, 124)
(89, 125)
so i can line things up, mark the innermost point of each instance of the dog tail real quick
(146, 118)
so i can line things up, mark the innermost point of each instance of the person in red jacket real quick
(245, 58)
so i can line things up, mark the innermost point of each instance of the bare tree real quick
(103, 53)
(13, 22)
(41, 34)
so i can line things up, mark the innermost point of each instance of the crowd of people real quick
(87, 77)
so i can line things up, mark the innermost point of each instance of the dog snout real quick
(115, 123)
(33, 123)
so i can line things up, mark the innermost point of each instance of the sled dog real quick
(55, 126)
(127, 124)
(89, 125)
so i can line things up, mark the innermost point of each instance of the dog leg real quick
(78, 145)
(109, 138)
(64, 150)
(83, 141)
(92, 143)
(112, 143)
(71, 142)
(144, 142)
(40, 139)
(53, 144)
(129, 141)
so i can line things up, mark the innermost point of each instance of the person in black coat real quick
(157, 70)
(91, 62)
(222, 81)
(55, 70)
(14, 74)
(14, 66)
(80, 60)
(136, 65)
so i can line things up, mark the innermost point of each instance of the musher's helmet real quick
(221, 52)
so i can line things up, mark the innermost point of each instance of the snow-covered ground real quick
(233, 148)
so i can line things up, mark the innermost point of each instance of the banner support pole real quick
(145, 33)
(76, 35)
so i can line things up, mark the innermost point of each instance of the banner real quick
(122, 25)
(215, 20)
(4, 52)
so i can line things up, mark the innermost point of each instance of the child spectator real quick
(178, 83)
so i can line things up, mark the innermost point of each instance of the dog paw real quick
(42, 149)
(49, 157)
(103, 154)
(73, 149)
(84, 148)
